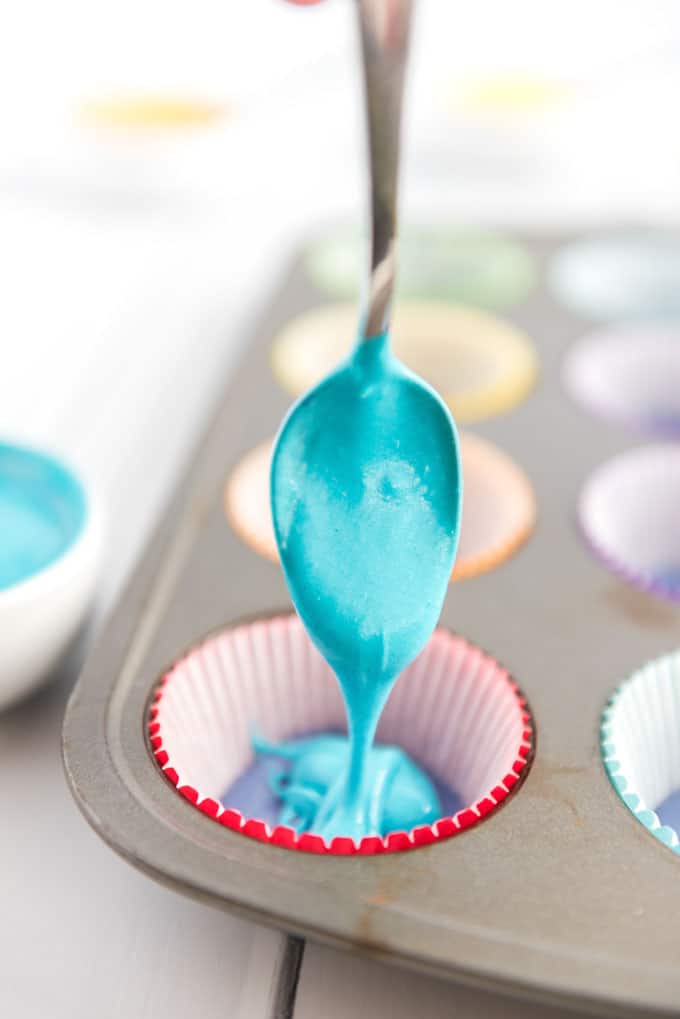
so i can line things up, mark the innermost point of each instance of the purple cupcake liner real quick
(628, 375)
(629, 516)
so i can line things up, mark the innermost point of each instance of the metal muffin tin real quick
(561, 895)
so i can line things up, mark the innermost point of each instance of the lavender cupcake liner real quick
(630, 375)
(629, 511)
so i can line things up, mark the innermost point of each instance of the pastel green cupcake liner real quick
(485, 270)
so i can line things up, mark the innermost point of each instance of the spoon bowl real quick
(366, 496)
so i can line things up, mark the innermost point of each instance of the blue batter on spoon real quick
(365, 497)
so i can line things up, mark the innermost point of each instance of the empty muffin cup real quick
(454, 710)
(485, 270)
(499, 508)
(479, 364)
(629, 374)
(629, 511)
(621, 276)
(640, 746)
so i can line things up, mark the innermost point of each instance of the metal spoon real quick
(366, 477)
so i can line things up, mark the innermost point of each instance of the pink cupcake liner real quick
(628, 513)
(454, 709)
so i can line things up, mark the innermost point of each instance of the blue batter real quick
(400, 795)
(42, 511)
(366, 491)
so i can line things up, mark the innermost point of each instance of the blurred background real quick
(159, 165)
(160, 161)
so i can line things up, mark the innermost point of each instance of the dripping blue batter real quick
(366, 488)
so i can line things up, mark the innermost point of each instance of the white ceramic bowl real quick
(41, 613)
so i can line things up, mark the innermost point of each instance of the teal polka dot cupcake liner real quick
(640, 746)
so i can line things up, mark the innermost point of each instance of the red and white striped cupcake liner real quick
(454, 709)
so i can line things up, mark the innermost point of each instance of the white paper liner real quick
(629, 374)
(455, 710)
(633, 276)
(499, 508)
(630, 513)
(640, 742)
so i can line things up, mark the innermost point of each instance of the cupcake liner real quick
(151, 113)
(247, 504)
(499, 508)
(629, 374)
(485, 270)
(454, 710)
(622, 276)
(510, 96)
(628, 512)
(480, 365)
(640, 746)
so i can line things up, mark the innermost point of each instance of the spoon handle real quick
(385, 30)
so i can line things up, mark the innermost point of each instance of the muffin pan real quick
(560, 894)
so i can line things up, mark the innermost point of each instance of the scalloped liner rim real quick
(647, 817)
(397, 841)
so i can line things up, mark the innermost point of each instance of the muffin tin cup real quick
(629, 375)
(628, 514)
(499, 508)
(640, 746)
(454, 710)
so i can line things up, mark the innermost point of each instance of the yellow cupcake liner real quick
(499, 508)
(511, 95)
(139, 113)
(480, 364)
